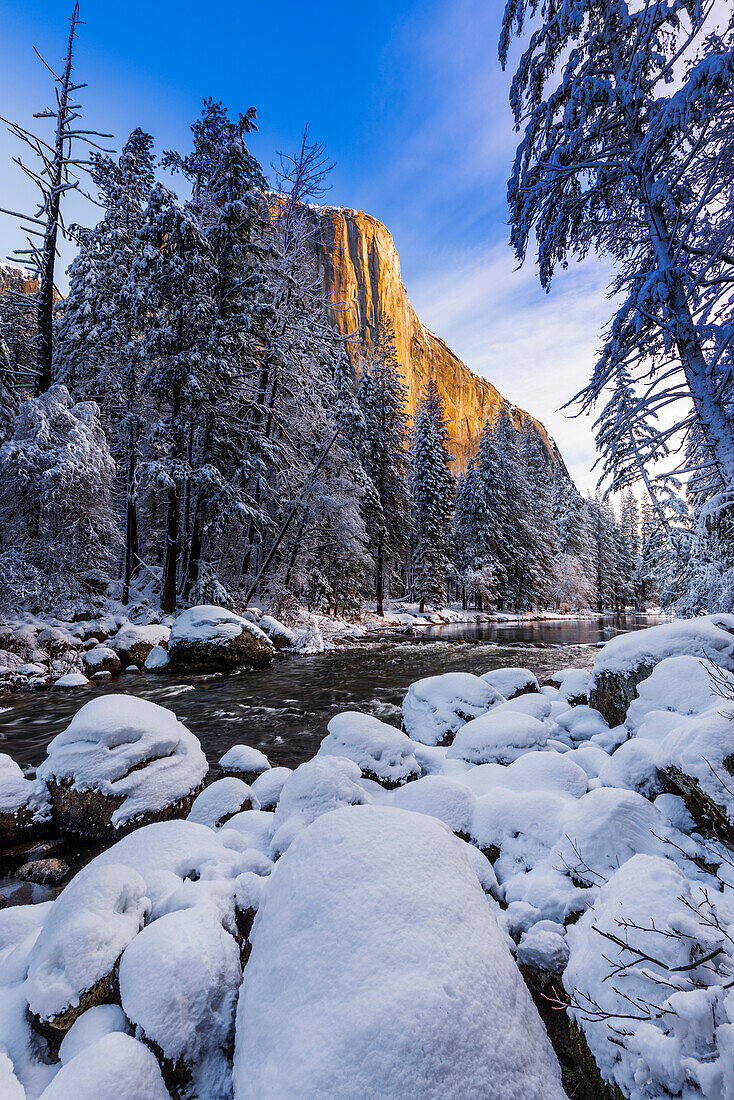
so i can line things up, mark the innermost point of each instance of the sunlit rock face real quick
(361, 271)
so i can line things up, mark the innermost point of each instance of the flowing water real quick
(284, 710)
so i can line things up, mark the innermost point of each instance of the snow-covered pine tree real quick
(471, 531)
(433, 489)
(172, 293)
(95, 348)
(627, 149)
(382, 397)
(56, 522)
(537, 538)
(503, 480)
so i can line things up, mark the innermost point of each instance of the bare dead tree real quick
(57, 169)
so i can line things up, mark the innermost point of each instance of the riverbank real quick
(104, 639)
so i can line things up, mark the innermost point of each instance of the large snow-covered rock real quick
(92, 1025)
(178, 984)
(73, 962)
(436, 707)
(657, 1024)
(378, 969)
(573, 685)
(133, 642)
(206, 638)
(512, 682)
(116, 1067)
(381, 752)
(697, 758)
(439, 796)
(280, 635)
(122, 761)
(102, 659)
(684, 685)
(498, 738)
(627, 660)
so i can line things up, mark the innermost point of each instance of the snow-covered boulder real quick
(280, 635)
(269, 784)
(179, 980)
(322, 784)
(116, 1067)
(71, 680)
(157, 659)
(633, 765)
(91, 1026)
(516, 830)
(573, 685)
(73, 963)
(380, 751)
(121, 762)
(102, 659)
(581, 723)
(439, 796)
(378, 969)
(256, 827)
(605, 828)
(436, 707)
(647, 977)
(222, 800)
(206, 638)
(683, 685)
(245, 762)
(133, 642)
(512, 682)
(697, 759)
(498, 738)
(627, 660)
(25, 808)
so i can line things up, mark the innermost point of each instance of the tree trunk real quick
(168, 590)
(379, 581)
(131, 526)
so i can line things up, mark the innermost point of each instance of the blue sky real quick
(412, 105)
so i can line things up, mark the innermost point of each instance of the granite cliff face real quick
(360, 268)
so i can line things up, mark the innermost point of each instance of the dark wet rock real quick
(612, 692)
(45, 872)
(208, 638)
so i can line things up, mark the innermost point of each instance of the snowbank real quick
(378, 969)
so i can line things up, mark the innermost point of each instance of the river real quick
(284, 710)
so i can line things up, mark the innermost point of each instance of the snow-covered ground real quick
(361, 925)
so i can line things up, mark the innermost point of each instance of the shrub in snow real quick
(697, 757)
(116, 1067)
(244, 762)
(647, 977)
(268, 786)
(222, 800)
(206, 637)
(573, 685)
(628, 659)
(73, 962)
(512, 682)
(436, 707)
(381, 752)
(498, 738)
(102, 659)
(314, 788)
(25, 808)
(178, 984)
(89, 1027)
(133, 643)
(378, 969)
(438, 796)
(684, 685)
(122, 761)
